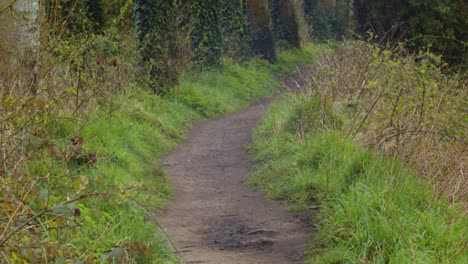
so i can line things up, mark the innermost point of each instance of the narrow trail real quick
(214, 217)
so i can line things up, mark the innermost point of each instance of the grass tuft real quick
(373, 209)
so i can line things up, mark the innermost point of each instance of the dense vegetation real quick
(438, 25)
(93, 92)
(374, 207)
(80, 179)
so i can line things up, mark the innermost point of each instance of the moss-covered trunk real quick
(261, 34)
(207, 35)
(285, 25)
(235, 29)
(155, 26)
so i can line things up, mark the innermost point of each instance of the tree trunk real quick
(287, 23)
(361, 13)
(261, 33)
(235, 29)
(19, 27)
(207, 35)
(155, 26)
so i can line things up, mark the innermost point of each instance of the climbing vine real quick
(235, 29)
(207, 35)
(155, 26)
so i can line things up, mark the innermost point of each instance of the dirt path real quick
(214, 217)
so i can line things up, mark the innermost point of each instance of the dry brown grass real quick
(405, 105)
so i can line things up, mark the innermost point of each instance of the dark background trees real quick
(207, 36)
(172, 33)
(261, 30)
(235, 29)
(156, 25)
(284, 20)
(437, 24)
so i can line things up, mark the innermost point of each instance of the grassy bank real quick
(374, 208)
(91, 180)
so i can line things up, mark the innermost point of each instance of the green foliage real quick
(404, 105)
(156, 26)
(235, 29)
(80, 16)
(326, 22)
(207, 35)
(81, 181)
(375, 205)
(119, 11)
(372, 209)
(438, 24)
(95, 13)
(210, 93)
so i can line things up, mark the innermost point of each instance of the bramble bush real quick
(410, 106)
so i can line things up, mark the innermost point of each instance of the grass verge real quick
(373, 209)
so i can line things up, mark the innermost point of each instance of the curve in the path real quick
(214, 217)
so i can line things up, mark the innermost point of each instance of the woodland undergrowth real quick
(79, 173)
(413, 107)
(375, 148)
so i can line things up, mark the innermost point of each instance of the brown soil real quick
(214, 217)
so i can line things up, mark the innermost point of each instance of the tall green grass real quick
(132, 130)
(373, 209)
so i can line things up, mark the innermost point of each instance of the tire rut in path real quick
(214, 217)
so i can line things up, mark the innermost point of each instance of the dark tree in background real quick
(235, 29)
(207, 35)
(328, 18)
(284, 20)
(438, 24)
(261, 31)
(361, 15)
(79, 16)
(155, 26)
(319, 19)
(95, 13)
